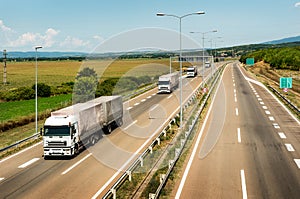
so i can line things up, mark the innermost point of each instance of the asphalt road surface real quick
(92, 172)
(249, 146)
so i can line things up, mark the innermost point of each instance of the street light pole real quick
(36, 80)
(203, 33)
(180, 52)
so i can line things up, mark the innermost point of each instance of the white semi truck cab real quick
(191, 71)
(80, 125)
(60, 136)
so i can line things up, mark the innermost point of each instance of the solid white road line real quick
(76, 164)
(282, 135)
(236, 111)
(239, 135)
(189, 164)
(297, 161)
(244, 188)
(135, 121)
(289, 147)
(26, 164)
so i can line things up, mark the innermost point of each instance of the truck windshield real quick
(190, 70)
(163, 83)
(56, 130)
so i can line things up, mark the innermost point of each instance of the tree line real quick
(278, 58)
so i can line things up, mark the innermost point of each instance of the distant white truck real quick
(167, 83)
(70, 128)
(191, 71)
(207, 64)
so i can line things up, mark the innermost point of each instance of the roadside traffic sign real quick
(250, 61)
(286, 82)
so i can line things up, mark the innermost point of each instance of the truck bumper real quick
(58, 151)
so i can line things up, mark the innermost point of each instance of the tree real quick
(85, 85)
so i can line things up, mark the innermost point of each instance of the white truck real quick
(167, 83)
(73, 127)
(207, 64)
(191, 71)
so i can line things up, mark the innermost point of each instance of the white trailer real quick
(70, 128)
(191, 71)
(167, 83)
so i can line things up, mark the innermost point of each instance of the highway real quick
(92, 172)
(248, 147)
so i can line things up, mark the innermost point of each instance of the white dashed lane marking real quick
(289, 147)
(271, 118)
(268, 112)
(143, 100)
(129, 108)
(282, 135)
(26, 164)
(1, 179)
(136, 104)
(297, 161)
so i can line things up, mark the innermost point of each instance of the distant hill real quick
(31, 54)
(284, 40)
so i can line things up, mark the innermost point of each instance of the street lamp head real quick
(160, 14)
(200, 13)
(38, 47)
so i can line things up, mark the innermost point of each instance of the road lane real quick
(43, 178)
(267, 167)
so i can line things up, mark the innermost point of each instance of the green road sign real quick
(286, 82)
(250, 61)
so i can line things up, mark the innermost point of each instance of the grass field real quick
(54, 73)
(18, 109)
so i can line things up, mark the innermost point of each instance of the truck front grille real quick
(57, 144)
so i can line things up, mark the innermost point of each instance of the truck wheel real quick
(93, 140)
(120, 122)
(108, 129)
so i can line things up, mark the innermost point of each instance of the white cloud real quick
(31, 39)
(98, 38)
(25, 39)
(74, 43)
(4, 28)
(49, 37)
(297, 4)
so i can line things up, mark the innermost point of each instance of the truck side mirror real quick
(41, 132)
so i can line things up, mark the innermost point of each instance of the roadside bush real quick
(22, 93)
(43, 90)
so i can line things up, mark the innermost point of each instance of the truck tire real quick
(93, 140)
(120, 122)
(107, 129)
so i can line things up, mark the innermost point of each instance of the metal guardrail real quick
(183, 143)
(139, 159)
(287, 101)
(19, 142)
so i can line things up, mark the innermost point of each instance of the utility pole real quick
(4, 67)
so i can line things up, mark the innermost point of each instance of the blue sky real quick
(82, 25)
